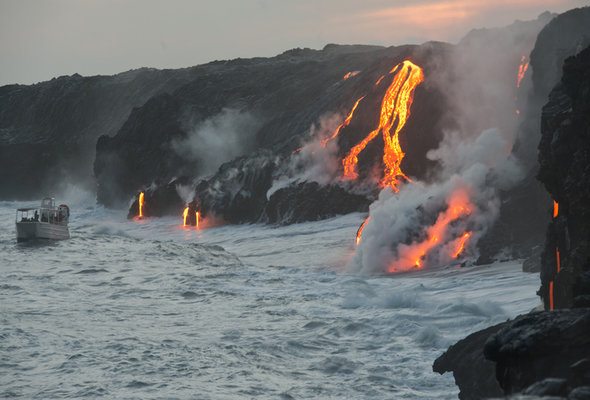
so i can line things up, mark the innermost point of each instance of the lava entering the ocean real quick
(395, 111)
(184, 216)
(460, 244)
(413, 255)
(359, 232)
(140, 202)
(187, 217)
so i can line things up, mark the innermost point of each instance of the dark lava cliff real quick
(547, 353)
(48, 131)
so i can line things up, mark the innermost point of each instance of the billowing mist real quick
(218, 139)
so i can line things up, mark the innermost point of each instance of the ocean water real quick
(148, 309)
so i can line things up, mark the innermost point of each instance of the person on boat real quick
(36, 215)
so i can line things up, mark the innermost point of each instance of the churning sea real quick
(147, 309)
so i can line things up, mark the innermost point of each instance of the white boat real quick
(45, 222)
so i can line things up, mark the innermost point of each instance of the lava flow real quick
(350, 74)
(140, 202)
(187, 218)
(460, 244)
(557, 260)
(343, 125)
(413, 255)
(522, 68)
(184, 216)
(359, 232)
(395, 111)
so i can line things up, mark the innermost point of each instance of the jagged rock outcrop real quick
(237, 192)
(548, 353)
(525, 208)
(474, 375)
(564, 158)
(537, 354)
(160, 200)
(539, 346)
(48, 130)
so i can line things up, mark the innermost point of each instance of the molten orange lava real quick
(522, 68)
(551, 304)
(378, 81)
(184, 216)
(460, 244)
(141, 202)
(555, 209)
(558, 260)
(343, 124)
(412, 256)
(197, 215)
(359, 232)
(395, 111)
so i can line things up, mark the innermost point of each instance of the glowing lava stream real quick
(395, 110)
(140, 202)
(184, 216)
(359, 232)
(460, 244)
(413, 255)
(522, 68)
(557, 260)
(343, 124)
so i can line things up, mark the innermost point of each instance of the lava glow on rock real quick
(395, 111)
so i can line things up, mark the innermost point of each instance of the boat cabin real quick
(47, 213)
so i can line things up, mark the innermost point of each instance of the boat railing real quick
(41, 214)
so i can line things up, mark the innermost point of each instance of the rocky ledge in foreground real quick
(538, 354)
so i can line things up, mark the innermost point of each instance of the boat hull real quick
(41, 230)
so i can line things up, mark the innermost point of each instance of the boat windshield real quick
(48, 202)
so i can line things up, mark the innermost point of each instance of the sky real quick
(42, 39)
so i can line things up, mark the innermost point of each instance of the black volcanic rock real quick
(48, 131)
(525, 208)
(142, 155)
(564, 158)
(548, 353)
(287, 94)
(237, 192)
(542, 345)
(309, 201)
(474, 375)
(160, 201)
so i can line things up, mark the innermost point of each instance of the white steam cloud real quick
(218, 139)
(315, 161)
(398, 221)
